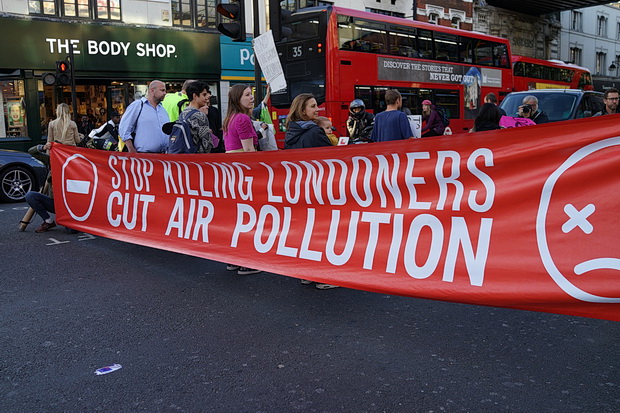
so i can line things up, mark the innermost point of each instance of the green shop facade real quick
(113, 66)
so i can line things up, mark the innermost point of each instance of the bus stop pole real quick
(258, 84)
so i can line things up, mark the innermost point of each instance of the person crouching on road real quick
(240, 136)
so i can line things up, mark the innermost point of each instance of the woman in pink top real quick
(240, 136)
(239, 133)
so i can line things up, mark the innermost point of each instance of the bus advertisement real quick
(340, 54)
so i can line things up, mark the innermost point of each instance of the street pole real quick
(73, 97)
(258, 84)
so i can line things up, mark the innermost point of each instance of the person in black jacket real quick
(488, 118)
(302, 131)
(301, 128)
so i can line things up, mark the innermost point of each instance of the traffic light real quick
(234, 11)
(49, 79)
(277, 20)
(63, 73)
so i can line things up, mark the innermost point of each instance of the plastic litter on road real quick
(107, 369)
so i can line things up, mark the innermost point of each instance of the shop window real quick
(46, 7)
(194, 13)
(12, 101)
(108, 10)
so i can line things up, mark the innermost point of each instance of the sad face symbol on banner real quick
(577, 224)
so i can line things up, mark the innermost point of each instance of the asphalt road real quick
(193, 337)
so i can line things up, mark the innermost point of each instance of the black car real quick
(558, 104)
(19, 173)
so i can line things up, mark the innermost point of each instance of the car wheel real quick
(15, 182)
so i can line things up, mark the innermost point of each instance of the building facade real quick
(116, 49)
(590, 37)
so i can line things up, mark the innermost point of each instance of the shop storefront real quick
(113, 66)
(601, 84)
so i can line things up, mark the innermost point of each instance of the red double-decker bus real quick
(530, 73)
(340, 55)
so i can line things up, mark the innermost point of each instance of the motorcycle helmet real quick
(357, 104)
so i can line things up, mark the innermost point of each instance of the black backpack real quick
(181, 140)
(443, 115)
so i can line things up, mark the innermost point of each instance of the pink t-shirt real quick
(239, 127)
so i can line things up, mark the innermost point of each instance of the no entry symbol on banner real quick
(79, 186)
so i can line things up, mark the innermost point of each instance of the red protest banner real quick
(521, 218)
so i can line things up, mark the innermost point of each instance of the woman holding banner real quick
(302, 131)
(239, 133)
(301, 128)
(240, 136)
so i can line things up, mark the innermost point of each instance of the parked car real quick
(558, 104)
(19, 173)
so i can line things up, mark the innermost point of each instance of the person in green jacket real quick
(175, 103)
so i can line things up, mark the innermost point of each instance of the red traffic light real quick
(235, 26)
(62, 66)
(63, 73)
(230, 11)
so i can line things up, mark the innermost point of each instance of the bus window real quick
(362, 36)
(345, 32)
(519, 69)
(425, 44)
(365, 93)
(446, 47)
(403, 44)
(449, 100)
(501, 55)
(466, 46)
(484, 53)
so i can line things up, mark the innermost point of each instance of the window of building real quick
(576, 20)
(601, 57)
(76, 8)
(456, 23)
(12, 102)
(433, 18)
(46, 7)
(575, 55)
(100, 9)
(108, 9)
(386, 12)
(194, 13)
(617, 30)
(601, 26)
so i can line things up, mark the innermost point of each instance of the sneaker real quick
(232, 267)
(247, 271)
(326, 286)
(306, 282)
(45, 226)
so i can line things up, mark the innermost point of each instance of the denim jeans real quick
(42, 204)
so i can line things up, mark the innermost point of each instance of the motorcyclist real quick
(360, 122)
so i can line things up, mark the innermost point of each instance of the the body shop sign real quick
(110, 48)
(432, 72)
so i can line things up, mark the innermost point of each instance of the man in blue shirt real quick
(391, 124)
(141, 124)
